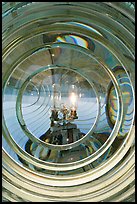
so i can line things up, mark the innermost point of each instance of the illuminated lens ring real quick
(22, 122)
(91, 158)
(105, 146)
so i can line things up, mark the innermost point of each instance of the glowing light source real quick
(73, 97)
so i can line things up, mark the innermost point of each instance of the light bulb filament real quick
(73, 101)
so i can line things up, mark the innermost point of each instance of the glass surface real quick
(68, 101)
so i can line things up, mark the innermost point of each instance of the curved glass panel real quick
(68, 101)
